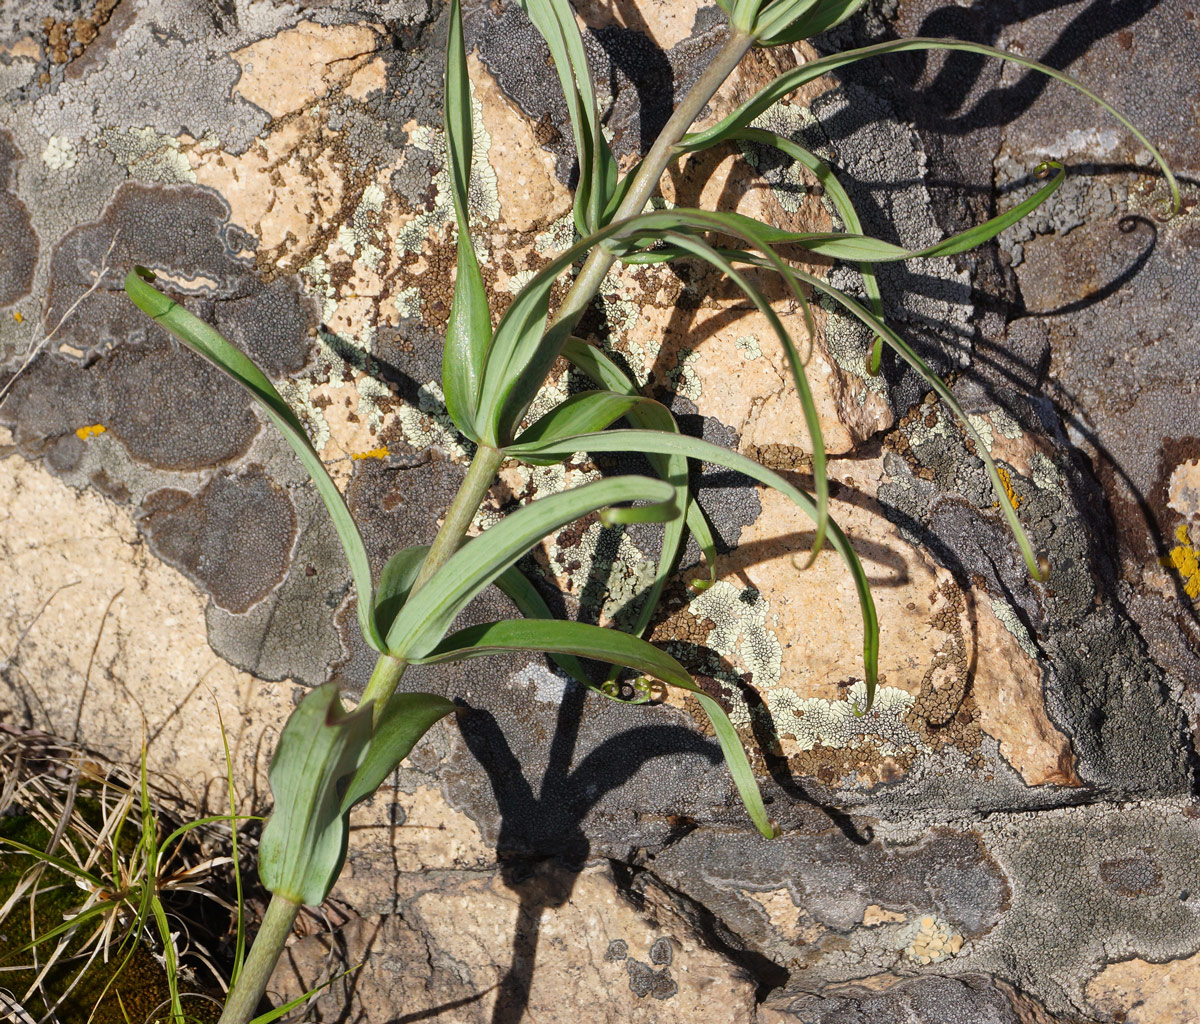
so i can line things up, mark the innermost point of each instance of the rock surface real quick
(1009, 835)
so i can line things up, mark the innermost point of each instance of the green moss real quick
(140, 985)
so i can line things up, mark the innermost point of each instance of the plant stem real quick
(645, 182)
(487, 461)
(457, 521)
(276, 926)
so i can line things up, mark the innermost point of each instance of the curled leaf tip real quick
(145, 273)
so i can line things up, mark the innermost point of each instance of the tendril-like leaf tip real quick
(145, 273)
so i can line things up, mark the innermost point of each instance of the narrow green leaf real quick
(469, 331)
(802, 20)
(406, 718)
(421, 624)
(910, 356)
(681, 444)
(792, 80)
(849, 246)
(517, 587)
(555, 21)
(799, 376)
(617, 648)
(674, 469)
(834, 191)
(303, 844)
(581, 413)
(202, 339)
(396, 582)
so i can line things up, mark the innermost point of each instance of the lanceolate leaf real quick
(405, 719)
(469, 331)
(789, 81)
(205, 341)
(303, 844)
(674, 468)
(581, 413)
(617, 648)
(850, 246)
(422, 623)
(680, 444)
(555, 20)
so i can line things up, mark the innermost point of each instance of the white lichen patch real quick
(833, 723)
(747, 344)
(298, 394)
(931, 939)
(1008, 618)
(548, 686)
(60, 153)
(483, 196)
(148, 155)
(319, 284)
(741, 634)
(429, 424)
(408, 302)
(983, 428)
(605, 570)
(357, 239)
(557, 238)
(789, 183)
(1045, 474)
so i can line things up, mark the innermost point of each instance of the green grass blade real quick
(406, 718)
(681, 444)
(469, 331)
(205, 341)
(239, 949)
(421, 624)
(789, 81)
(617, 648)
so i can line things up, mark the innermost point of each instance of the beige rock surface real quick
(1138, 992)
(568, 947)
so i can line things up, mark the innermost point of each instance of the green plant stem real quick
(487, 460)
(645, 182)
(268, 944)
(457, 521)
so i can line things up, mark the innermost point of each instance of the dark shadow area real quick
(541, 844)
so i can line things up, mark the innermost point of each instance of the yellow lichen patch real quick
(83, 433)
(1006, 482)
(18, 317)
(1185, 560)
(374, 453)
(934, 940)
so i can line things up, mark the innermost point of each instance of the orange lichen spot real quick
(1185, 560)
(19, 317)
(83, 433)
(1006, 481)
(374, 453)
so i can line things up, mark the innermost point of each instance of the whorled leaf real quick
(692, 447)
(421, 623)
